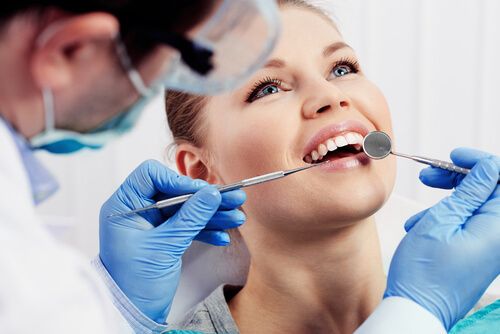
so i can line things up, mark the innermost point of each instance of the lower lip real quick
(353, 161)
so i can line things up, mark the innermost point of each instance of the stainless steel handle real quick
(437, 163)
(450, 166)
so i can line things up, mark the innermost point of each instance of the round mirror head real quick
(377, 145)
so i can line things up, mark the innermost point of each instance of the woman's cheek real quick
(371, 103)
(367, 99)
(378, 109)
(252, 148)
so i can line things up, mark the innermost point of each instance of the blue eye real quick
(344, 67)
(268, 86)
(268, 90)
(341, 70)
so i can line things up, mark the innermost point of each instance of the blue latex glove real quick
(143, 252)
(451, 252)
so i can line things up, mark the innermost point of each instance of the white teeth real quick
(322, 150)
(340, 141)
(351, 138)
(330, 145)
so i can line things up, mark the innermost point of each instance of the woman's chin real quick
(319, 204)
(350, 207)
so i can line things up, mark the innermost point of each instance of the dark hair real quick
(140, 21)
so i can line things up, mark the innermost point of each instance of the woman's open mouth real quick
(340, 146)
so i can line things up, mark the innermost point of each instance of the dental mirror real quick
(377, 145)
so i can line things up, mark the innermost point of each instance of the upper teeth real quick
(331, 144)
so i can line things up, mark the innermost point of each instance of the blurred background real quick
(435, 60)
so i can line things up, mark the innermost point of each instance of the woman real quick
(315, 260)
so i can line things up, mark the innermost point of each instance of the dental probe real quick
(378, 145)
(222, 188)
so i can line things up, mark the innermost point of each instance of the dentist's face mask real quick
(222, 54)
(65, 141)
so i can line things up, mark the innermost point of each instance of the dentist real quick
(76, 74)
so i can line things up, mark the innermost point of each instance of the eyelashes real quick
(351, 63)
(261, 84)
(346, 65)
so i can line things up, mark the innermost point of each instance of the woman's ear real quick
(68, 46)
(192, 162)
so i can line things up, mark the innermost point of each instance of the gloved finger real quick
(491, 208)
(469, 195)
(194, 214)
(440, 178)
(463, 157)
(467, 157)
(484, 225)
(215, 238)
(223, 220)
(232, 199)
(413, 220)
(481, 182)
(152, 177)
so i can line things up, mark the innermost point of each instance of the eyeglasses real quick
(232, 44)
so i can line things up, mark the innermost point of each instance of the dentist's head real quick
(76, 74)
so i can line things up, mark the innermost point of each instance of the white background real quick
(435, 60)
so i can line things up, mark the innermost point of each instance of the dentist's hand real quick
(143, 252)
(451, 252)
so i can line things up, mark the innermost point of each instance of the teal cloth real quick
(484, 321)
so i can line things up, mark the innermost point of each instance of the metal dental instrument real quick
(378, 145)
(222, 188)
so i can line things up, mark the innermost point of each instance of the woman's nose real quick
(323, 97)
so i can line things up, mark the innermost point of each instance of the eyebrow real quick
(275, 63)
(330, 49)
(334, 47)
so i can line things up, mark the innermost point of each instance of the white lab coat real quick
(45, 287)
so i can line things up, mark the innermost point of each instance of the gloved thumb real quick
(444, 179)
(410, 223)
(192, 217)
(468, 157)
(440, 178)
(470, 194)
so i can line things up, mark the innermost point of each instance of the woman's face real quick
(311, 94)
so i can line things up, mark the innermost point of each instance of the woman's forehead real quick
(304, 29)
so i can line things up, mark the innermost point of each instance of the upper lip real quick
(333, 130)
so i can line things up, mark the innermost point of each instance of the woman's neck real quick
(323, 284)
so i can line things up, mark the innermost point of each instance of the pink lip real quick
(334, 130)
(360, 159)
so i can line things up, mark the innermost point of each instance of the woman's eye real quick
(344, 67)
(341, 70)
(264, 88)
(268, 90)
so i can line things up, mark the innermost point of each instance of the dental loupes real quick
(378, 145)
(222, 188)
